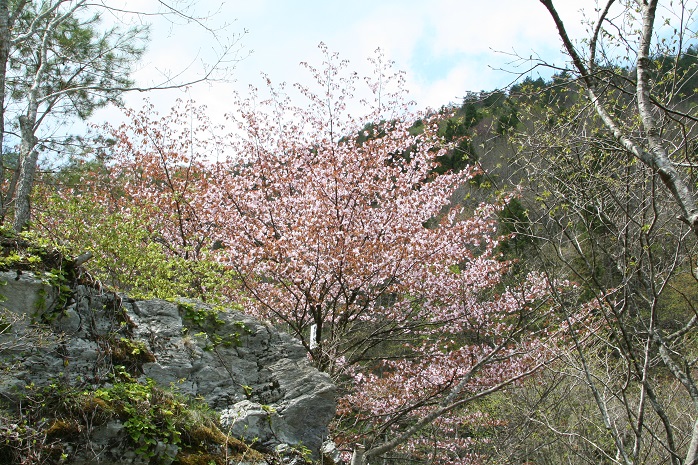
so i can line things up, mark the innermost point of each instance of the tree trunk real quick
(29, 153)
(27, 168)
(658, 155)
(4, 57)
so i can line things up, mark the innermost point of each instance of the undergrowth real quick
(161, 425)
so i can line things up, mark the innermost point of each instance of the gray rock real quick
(26, 293)
(240, 366)
(256, 423)
(257, 378)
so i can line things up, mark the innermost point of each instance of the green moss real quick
(128, 353)
(63, 429)
(199, 458)
(210, 445)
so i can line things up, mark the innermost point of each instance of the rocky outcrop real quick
(258, 379)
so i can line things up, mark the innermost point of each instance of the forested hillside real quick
(508, 280)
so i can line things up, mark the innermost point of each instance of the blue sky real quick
(446, 47)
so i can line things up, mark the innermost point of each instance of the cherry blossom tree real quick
(337, 223)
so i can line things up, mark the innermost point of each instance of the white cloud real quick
(447, 47)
